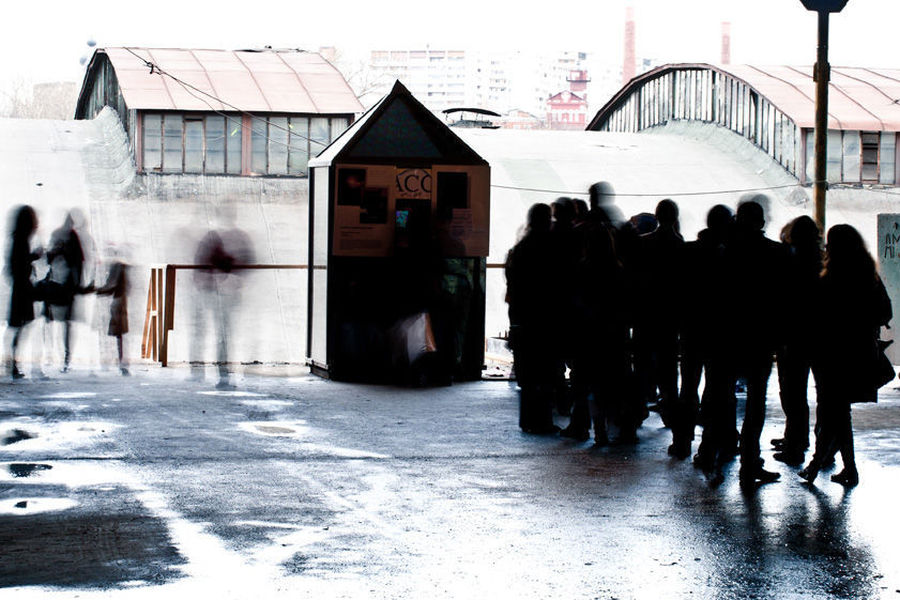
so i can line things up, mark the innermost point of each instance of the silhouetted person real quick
(704, 341)
(567, 245)
(66, 259)
(117, 286)
(658, 308)
(603, 207)
(219, 287)
(794, 357)
(19, 269)
(600, 357)
(853, 306)
(529, 266)
(756, 266)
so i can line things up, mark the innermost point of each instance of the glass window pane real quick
(299, 150)
(319, 135)
(215, 144)
(278, 145)
(152, 142)
(258, 133)
(193, 146)
(172, 144)
(851, 156)
(234, 144)
(811, 155)
(338, 126)
(834, 156)
(870, 143)
(888, 157)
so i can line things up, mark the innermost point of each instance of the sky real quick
(43, 40)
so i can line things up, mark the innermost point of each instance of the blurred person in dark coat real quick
(19, 269)
(219, 293)
(529, 269)
(65, 256)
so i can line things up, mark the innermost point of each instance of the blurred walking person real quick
(65, 257)
(219, 294)
(19, 269)
(854, 305)
(117, 286)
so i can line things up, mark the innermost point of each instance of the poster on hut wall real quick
(382, 209)
(889, 269)
(362, 211)
(462, 209)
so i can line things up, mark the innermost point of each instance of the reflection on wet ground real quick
(27, 469)
(16, 435)
(337, 491)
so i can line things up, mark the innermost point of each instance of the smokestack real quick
(726, 43)
(628, 67)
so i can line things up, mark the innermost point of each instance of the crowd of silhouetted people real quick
(611, 318)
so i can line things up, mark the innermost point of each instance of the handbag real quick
(884, 369)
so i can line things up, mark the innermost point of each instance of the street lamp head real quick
(831, 6)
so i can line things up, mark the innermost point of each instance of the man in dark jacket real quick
(756, 267)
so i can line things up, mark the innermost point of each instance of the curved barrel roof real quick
(291, 81)
(859, 98)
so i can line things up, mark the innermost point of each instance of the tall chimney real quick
(628, 72)
(726, 43)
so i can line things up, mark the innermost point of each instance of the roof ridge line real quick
(163, 79)
(877, 118)
(799, 91)
(299, 80)
(253, 77)
(215, 93)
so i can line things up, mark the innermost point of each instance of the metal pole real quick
(822, 75)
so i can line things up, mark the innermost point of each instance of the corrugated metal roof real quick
(285, 81)
(859, 98)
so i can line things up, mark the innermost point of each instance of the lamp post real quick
(822, 75)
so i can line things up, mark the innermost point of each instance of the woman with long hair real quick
(854, 306)
(18, 266)
(803, 238)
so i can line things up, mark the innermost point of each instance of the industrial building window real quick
(173, 140)
(852, 156)
(870, 143)
(212, 143)
(283, 145)
(175, 143)
(887, 157)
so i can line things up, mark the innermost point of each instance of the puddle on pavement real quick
(30, 506)
(271, 404)
(69, 395)
(275, 428)
(27, 469)
(17, 435)
(232, 394)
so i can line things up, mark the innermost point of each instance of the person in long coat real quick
(530, 274)
(19, 270)
(854, 305)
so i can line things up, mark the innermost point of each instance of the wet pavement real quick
(290, 486)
